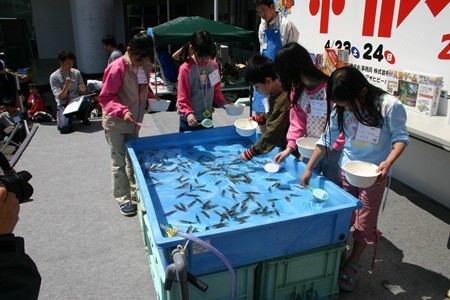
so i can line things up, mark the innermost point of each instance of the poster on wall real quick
(383, 37)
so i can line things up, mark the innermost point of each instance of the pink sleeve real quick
(112, 81)
(183, 97)
(297, 127)
(339, 142)
(219, 98)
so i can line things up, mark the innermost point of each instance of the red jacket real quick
(36, 103)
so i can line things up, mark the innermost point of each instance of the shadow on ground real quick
(96, 126)
(388, 279)
(422, 201)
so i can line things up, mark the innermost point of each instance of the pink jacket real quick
(121, 93)
(195, 92)
(303, 123)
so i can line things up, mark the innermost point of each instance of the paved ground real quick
(85, 249)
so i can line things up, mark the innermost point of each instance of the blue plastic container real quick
(299, 223)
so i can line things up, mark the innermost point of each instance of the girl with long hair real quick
(374, 125)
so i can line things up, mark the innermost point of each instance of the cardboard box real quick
(417, 91)
(343, 55)
(333, 59)
(319, 61)
(330, 61)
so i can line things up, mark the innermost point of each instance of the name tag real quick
(318, 108)
(368, 134)
(214, 77)
(142, 78)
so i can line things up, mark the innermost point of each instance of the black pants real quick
(19, 276)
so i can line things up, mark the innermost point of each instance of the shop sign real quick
(381, 35)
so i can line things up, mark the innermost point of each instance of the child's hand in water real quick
(248, 154)
(306, 176)
(280, 157)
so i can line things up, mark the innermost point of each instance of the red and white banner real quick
(380, 34)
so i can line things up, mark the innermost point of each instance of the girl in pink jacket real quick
(308, 113)
(198, 82)
(123, 99)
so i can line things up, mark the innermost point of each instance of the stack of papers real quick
(75, 104)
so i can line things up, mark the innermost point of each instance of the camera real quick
(17, 183)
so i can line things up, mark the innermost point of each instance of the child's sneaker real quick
(128, 209)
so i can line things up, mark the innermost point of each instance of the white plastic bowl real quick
(271, 167)
(306, 146)
(320, 195)
(234, 109)
(360, 173)
(161, 105)
(244, 127)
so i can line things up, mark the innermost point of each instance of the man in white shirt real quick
(274, 32)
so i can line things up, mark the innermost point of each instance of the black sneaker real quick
(128, 209)
(86, 122)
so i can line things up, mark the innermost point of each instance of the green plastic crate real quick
(311, 274)
(219, 284)
(142, 214)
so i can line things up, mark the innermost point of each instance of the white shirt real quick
(288, 31)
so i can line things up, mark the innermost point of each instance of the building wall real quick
(92, 20)
(119, 22)
(53, 26)
(205, 9)
(66, 24)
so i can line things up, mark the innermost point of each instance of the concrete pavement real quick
(85, 249)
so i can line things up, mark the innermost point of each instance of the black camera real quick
(17, 183)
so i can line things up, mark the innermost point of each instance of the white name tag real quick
(368, 134)
(142, 78)
(214, 77)
(318, 108)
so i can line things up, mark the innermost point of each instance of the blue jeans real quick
(65, 123)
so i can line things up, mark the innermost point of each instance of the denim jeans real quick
(65, 123)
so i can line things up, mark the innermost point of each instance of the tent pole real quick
(250, 96)
(216, 10)
(168, 19)
(168, 10)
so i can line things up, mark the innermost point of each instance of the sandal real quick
(346, 282)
